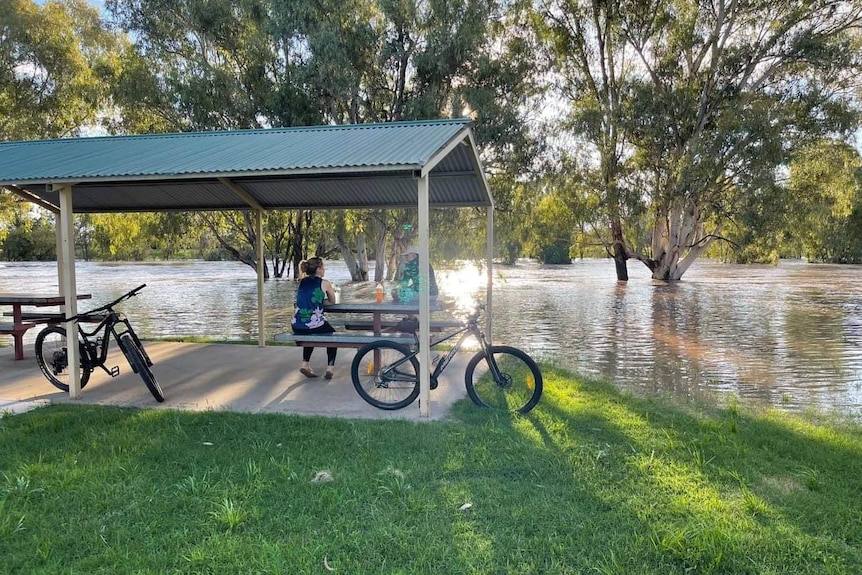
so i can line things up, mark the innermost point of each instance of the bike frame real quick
(97, 351)
(471, 328)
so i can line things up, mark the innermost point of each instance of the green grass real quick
(592, 481)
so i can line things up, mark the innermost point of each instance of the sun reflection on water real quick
(462, 287)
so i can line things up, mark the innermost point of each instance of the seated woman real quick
(308, 318)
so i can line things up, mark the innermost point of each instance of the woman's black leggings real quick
(307, 351)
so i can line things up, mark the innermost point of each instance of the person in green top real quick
(408, 277)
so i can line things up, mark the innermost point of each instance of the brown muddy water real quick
(788, 336)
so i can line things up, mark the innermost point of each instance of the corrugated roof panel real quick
(143, 196)
(313, 148)
(371, 190)
(327, 166)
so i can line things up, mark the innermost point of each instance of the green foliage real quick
(683, 107)
(825, 184)
(557, 253)
(56, 64)
(29, 239)
(136, 236)
(204, 64)
(547, 230)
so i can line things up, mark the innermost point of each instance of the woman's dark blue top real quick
(309, 304)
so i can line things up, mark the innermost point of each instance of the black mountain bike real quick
(386, 373)
(51, 347)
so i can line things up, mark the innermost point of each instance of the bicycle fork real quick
(502, 380)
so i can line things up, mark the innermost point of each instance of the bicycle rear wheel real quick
(53, 358)
(139, 366)
(385, 374)
(518, 387)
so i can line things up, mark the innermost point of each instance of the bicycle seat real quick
(409, 324)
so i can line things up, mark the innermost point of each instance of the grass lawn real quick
(592, 481)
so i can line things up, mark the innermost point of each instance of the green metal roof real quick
(359, 165)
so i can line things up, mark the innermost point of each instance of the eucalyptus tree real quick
(216, 64)
(731, 92)
(826, 185)
(56, 61)
(382, 60)
(590, 69)
(212, 65)
(716, 96)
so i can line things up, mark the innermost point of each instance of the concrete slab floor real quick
(223, 377)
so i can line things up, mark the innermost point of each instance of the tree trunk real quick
(361, 259)
(247, 256)
(298, 243)
(620, 253)
(347, 254)
(678, 240)
(380, 253)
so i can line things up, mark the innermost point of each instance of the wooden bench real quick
(49, 318)
(38, 317)
(29, 320)
(341, 339)
(17, 332)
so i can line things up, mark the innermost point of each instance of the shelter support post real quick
(58, 238)
(489, 277)
(69, 288)
(243, 194)
(258, 231)
(424, 300)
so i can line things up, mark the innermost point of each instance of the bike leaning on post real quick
(52, 347)
(386, 373)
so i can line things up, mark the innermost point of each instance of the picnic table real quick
(19, 326)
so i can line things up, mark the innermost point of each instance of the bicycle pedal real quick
(115, 371)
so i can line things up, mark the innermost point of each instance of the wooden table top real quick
(36, 299)
(374, 307)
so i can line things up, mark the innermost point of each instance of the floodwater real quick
(788, 336)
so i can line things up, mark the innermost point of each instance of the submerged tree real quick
(716, 96)
(591, 70)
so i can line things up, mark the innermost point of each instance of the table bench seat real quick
(23, 321)
(8, 328)
(50, 318)
(17, 331)
(38, 317)
(340, 339)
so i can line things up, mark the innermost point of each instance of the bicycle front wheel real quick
(515, 385)
(139, 366)
(53, 358)
(386, 374)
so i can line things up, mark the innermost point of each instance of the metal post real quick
(489, 263)
(69, 289)
(261, 322)
(424, 301)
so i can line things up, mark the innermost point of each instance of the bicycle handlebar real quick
(108, 306)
